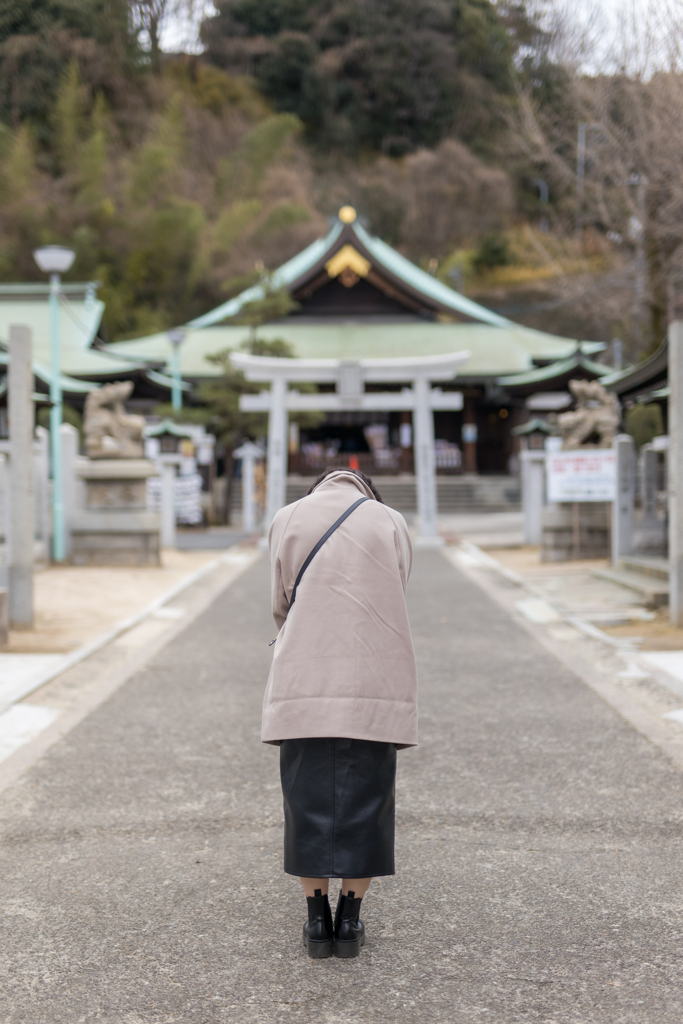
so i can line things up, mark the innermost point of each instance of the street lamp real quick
(584, 127)
(55, 260)
(542, 186)
(176, 336)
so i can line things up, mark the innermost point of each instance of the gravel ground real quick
(538, 853)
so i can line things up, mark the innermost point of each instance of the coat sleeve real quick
(279, 601)
(404, 547)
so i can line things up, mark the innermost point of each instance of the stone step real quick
(654, 592)
(454, 494)
(657, 567)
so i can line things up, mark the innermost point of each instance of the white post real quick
(168, 476)
(248, 453)
(648, 483)
(248, 494)
(622, 506)
(5, 519)
(68, 436)
(277, 449)
(20, 395)
(425, 464)
(675, 472)
(533, 493)
(41, 488)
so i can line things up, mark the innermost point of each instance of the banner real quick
(587, 474)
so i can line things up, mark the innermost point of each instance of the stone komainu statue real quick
(111, 432)
(597, 415)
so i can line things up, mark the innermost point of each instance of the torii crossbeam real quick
(350, 377)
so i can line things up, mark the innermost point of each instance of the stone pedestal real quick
(115, 527)
(576, 530)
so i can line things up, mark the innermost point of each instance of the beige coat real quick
(343, 662)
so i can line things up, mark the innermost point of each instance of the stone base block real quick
(95, 548)
(576, 531)
(116, 538)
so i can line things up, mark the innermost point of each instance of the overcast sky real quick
(181, 33)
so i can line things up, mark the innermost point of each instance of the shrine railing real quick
(385, 463)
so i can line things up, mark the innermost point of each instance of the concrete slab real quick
(74, 604)
(537, 610)
(22, 673)
(538, 845)
(20, 724)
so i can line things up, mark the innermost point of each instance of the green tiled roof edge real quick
(424, 282)
(544, 373)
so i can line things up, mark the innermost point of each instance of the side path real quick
(539, 850)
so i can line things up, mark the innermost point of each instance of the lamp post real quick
(542, 186)
(176, 336)
(55, 260)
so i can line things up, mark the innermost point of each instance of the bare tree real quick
(151, 17)
(612, 144)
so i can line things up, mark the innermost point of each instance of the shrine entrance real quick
(350, 377)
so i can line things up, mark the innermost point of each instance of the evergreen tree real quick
(389, 75)
(38, 41)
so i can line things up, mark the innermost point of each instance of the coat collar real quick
(343, 479)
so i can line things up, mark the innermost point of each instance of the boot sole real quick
(348, 948)
(319, 950)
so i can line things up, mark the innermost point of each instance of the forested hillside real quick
(177, 178)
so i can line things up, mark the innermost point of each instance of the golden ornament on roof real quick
(348, 258)
(347, 215)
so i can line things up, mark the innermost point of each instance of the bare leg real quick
(358, 886)
(311, 884)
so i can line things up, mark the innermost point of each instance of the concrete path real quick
(540, 840)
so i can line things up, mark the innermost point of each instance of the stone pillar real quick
(248, 453)
(407, 464)
(648, 483)
(20, 400)
(248, 494)
(277, 450)
(533, 493)
(469, 436)
(425, 463)
(168, 524)
(675, 472)
(42, 503)
(4, 617)
(622, 506)
(5, 518)
(71, 484)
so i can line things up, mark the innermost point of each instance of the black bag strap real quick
(316, 549)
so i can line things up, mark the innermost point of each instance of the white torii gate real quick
(350, 376)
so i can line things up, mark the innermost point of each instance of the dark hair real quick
(356, 472)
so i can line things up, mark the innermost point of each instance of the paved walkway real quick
(539, 845)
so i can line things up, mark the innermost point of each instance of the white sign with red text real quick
(587, 474)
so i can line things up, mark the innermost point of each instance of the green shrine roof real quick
(415, 314)
(80, 314)
(533, 427)
(643, 377)
(435, 319)
(555, 374)
(69, 385)
(494, 350)
(292, 274)
(167, 426)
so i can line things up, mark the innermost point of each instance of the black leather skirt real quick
(339, 807)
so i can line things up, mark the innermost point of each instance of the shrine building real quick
(354, 298)
(357, 298)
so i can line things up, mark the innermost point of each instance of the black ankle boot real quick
(349, 930)
(318, 934)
